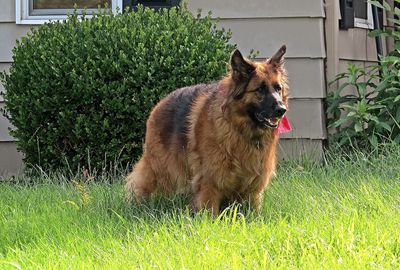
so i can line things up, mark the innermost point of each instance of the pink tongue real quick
(284, 126)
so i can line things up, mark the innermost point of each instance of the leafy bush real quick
(353, 115)
(372, 113)
(79, 91)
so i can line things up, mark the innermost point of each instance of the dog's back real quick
(164, 164)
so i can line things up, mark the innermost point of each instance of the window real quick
(40, 11)
(356, 13)
(156, 4)
(363, 14)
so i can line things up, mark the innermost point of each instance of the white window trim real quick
(22, 13)
(365, 23)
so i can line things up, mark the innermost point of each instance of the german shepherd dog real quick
(216, 142)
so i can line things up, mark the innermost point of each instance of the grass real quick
(343, 215)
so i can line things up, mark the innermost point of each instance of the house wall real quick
(356, 47)
(349, 46)
(258, 24)
(10, 158)
(265, 26)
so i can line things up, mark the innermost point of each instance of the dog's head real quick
(257, 91)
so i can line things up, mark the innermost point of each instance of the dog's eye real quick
(277, 88)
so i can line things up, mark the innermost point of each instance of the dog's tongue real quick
(284, 126)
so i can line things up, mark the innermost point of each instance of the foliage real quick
(79, 91)
(371, 112)
(344, 215)
(353, 114)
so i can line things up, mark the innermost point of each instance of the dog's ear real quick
(277, 58)
(241, 68)
(242, 71)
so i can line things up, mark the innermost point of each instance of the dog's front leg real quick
(255, 200)
(206, 196)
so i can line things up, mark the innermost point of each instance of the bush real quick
(79, 92)
(372, 114)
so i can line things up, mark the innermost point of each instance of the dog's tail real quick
(141, 182)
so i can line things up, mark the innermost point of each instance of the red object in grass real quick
(284, 126)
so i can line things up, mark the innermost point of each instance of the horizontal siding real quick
(344, 63)
(9, 33)
(4, 128)
(307, 118)
(354, 44)
(259, 8)
(7, 11)
(264, 35)
(306, 77)
(300, 149)
(304, 37)
(10, 159)
(3, 67)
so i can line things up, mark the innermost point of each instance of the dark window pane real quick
(360, 9)
(69, 4)
(156, 4)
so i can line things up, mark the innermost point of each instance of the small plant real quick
(370, 113)
(353, 115)
(82, 189)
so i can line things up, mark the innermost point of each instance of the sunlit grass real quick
(341, 215)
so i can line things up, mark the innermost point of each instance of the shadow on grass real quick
(160, 209)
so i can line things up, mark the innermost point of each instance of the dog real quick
(216, 142)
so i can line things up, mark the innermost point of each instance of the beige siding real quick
(300, 149)
(7, 11)
(331, 37)
(3, 67)
(307, 118)
(4, 127)
(9, 33)
(259, 8)
(4, 123)
(306, 77)
(10, 159)
(354, 44)
(301, 28)
(304, 37)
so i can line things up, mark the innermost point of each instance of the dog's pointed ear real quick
(277, 58)
(241, 68)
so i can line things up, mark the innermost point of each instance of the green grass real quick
(344, 215)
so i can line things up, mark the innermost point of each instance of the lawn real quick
(344, 214)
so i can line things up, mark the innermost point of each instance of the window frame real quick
(367, 23)
(22, 16)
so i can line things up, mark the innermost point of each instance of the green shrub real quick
(79, 92)
(372, 113)
(353, 115)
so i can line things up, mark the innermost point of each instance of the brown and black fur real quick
(216, 141)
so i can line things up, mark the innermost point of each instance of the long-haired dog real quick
(216, 141)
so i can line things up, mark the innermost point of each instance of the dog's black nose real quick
(279, 111)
